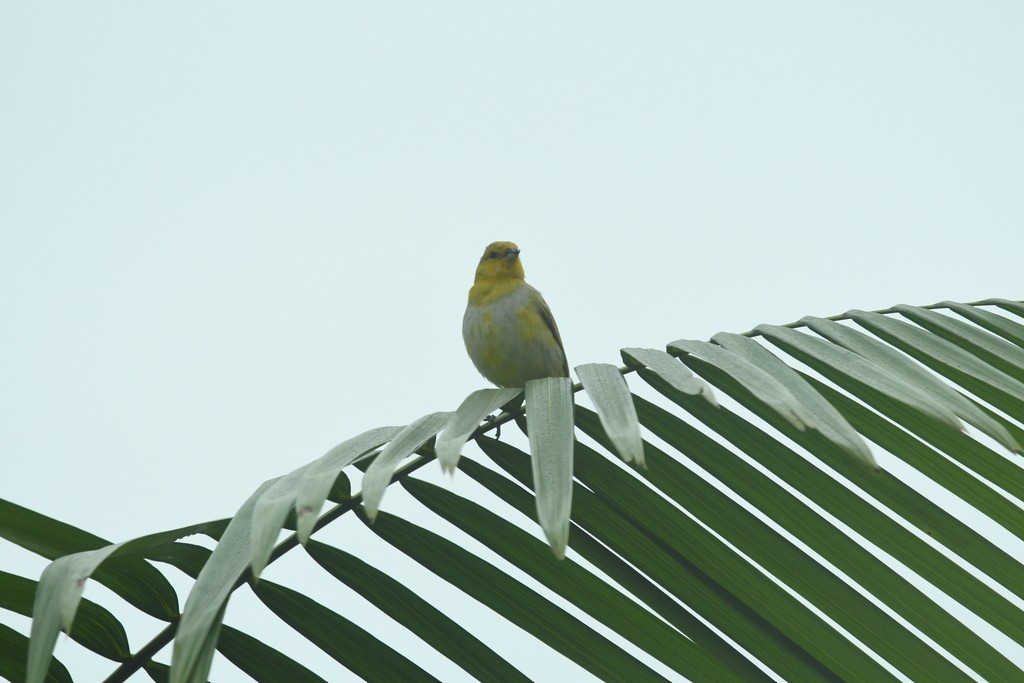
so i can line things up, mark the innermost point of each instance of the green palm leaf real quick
(813, 519)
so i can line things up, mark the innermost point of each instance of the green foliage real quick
(746, 535)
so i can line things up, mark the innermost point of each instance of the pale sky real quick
(233, 235)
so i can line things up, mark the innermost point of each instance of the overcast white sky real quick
(233, 235)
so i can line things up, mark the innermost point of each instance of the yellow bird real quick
(509, 331)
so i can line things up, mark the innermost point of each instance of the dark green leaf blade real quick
(781, 559)
(892, 641)
(14, 654)
(260, 661)
(942, 526)
(622, 572)
(838, 500)
(343, 640)
(573, 582)
(60, 590)
(739, 601)
(514, 601)
(158, 673)
(95, 628)
(406, 607)
(132, 578)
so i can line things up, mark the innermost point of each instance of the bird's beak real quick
(512, 253)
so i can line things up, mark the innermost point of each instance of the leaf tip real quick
(709, 396)
(370, 509)
(636, 457)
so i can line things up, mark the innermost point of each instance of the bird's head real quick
(500, 262)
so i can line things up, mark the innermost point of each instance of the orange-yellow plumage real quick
(508, 328)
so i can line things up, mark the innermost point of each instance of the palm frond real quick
(839, 507)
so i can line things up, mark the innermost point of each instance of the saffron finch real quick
(508, 328)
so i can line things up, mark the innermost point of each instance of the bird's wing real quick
(549, 321)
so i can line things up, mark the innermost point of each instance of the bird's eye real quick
(493, 254)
